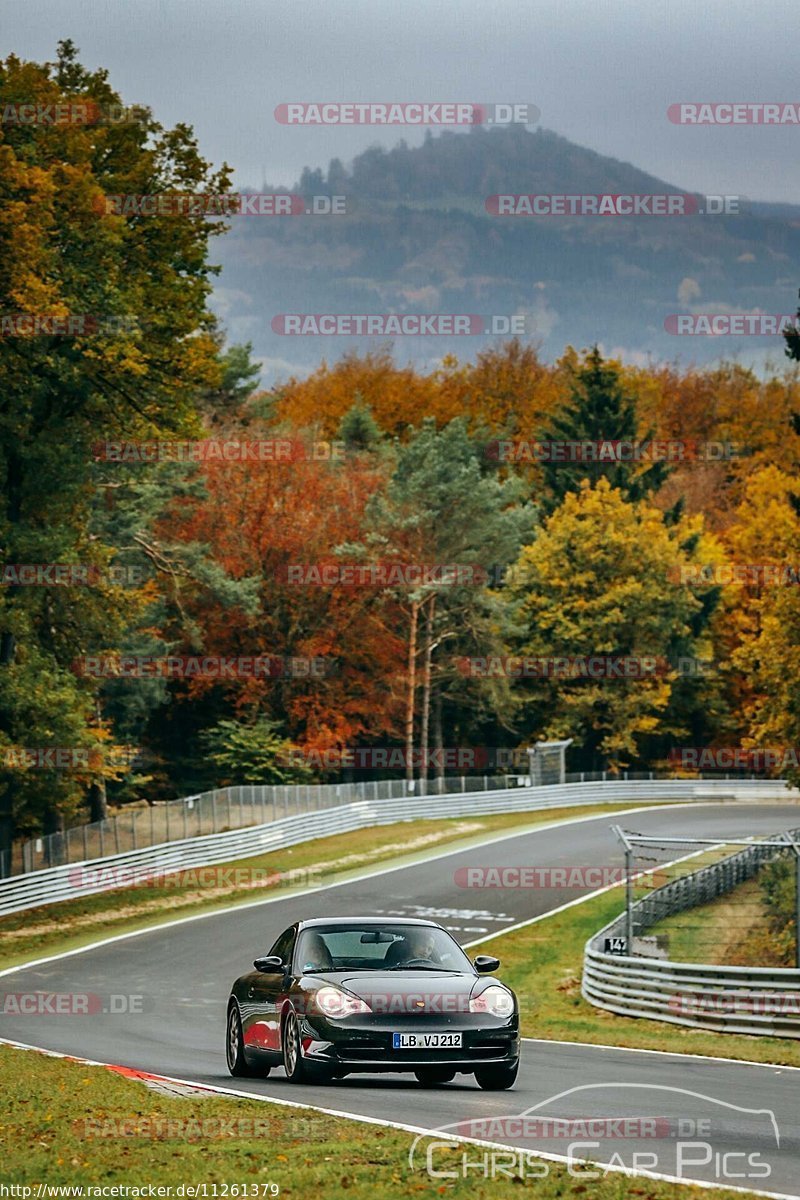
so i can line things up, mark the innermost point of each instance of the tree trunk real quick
(53, 831)
(437, 737)
(426, 695)
(411, 692)
(98, 803)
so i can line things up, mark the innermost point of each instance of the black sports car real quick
(337, 995)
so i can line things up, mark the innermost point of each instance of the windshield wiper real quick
(337, 970)
(406, 967)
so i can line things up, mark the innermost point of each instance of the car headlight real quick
(333, 1002)
(495, 1000)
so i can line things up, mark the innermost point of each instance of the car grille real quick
(372, 1050)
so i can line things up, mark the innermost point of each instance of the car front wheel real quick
(497, 1078)
(297, 1070)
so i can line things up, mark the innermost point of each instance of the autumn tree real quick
(507, 391)
(768, 532)
(251, 752)
(395, 395)
(133, 369)
(257, 522)
(600, 580)
(762, 633)
(442, 509)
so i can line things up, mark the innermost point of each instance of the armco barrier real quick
(58, 883)
(728, 999)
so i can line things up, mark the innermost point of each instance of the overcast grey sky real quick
(602, 72)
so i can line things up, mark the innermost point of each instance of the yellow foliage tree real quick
(603, 579)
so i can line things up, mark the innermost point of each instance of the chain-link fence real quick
(753, 894)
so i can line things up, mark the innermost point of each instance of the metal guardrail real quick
(753, 1000)
(68, 882)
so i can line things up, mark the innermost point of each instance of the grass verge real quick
(46, 1103)
(70, 924)
(719, 932)
(755, 925)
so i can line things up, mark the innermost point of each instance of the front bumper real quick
(360, 1046)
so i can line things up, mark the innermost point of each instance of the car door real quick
(264, 995)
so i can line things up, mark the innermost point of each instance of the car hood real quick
(409, 991)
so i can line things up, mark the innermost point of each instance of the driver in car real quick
(416, 944)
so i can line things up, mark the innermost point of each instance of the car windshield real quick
(370, 947)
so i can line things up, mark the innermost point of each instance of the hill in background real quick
(417, 238)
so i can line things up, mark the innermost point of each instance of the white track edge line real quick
(740, 1062)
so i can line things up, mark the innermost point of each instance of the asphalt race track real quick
(184, 972)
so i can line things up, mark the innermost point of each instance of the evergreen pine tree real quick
(599, 410)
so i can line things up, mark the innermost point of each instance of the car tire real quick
(497, 1077)
(234, 1048)
(297, 1070)
(433, 1076)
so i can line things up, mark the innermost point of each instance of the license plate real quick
(426, 1041)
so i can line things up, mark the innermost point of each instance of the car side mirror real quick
(271, 965)
(484, 964)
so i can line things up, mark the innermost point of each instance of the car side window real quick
(284, 946)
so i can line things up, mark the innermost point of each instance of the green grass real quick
(74, 923)
(46, 1102)
(752, 926)
(718, 931)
